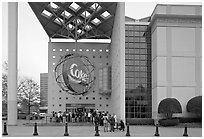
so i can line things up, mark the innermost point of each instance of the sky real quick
(33, 40)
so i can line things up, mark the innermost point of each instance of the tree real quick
(28, 95)
(194, 105)
(4, 87)
(169, 106)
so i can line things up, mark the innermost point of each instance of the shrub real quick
(194, 105)
(189, 120)
(169, 106)
(168, 122)
(136, 121)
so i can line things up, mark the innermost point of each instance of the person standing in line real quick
(67, 116)
(112, 123)
(73, 117)
(89, 117)
(116, 121)
(70, 116)
(109, 120)
(122, 125)
(64, 117)
(105, 122)
(85, 117)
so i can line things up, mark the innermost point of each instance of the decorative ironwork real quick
(74, 73)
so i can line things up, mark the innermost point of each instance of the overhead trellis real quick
(76, 20)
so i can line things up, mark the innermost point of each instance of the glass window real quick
(138, 72)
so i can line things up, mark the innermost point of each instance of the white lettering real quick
(79, 74)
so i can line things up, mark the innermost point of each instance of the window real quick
(60, 105)
(66, 97)
(87, 98)
(80, 98)
(96, 21)
(60, 98)
(53, 49)
(53, 56)
(105, 15)
(100, 105)
(93, 98)
(60, 49)
(47, 14)
(137, 71)
(106, 105)
(75, 7)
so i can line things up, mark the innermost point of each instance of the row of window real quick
(99, 105)
(136, 68)
(99, 64)
(137, 45)
(93, 57)
(136, 34)
(140, 68)
(137, 57)
(137, 62)
(138, 115)
(133, 85)
(80, 50)
(137, 39)
(136, 51)
(135, 74)
(85, 98)
(137, 28)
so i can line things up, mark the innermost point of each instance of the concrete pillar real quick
(118, 63)
(12, 62)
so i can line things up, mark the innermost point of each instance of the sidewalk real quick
(88, 131)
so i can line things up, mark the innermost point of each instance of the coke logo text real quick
(77, 73)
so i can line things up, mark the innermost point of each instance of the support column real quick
(12, 61)
(118, 63)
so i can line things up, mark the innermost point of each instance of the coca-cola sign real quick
(74, 73)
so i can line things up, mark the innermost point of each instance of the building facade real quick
(146, 61)
(176, 32)
(158, 49)
(43, 89)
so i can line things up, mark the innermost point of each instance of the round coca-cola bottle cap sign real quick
(74, 73)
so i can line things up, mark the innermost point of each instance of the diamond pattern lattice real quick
(76, 20)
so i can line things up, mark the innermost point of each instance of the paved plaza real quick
(88, 131)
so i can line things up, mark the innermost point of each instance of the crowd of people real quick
(100, 118)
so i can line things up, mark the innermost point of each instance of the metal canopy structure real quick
(76, 20)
